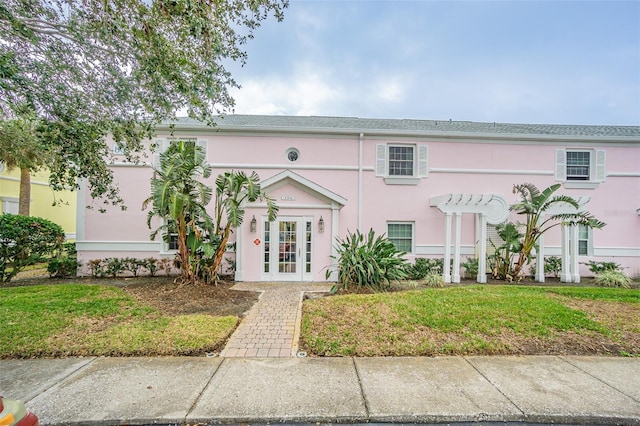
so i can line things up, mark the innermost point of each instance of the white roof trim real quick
(494, 206)
(304, 182)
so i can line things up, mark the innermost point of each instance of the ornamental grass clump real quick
(368, 261)
(613, 278)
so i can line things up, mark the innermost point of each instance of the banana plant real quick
(534, 205)
(180, 199)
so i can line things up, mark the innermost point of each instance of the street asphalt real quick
(470, 389)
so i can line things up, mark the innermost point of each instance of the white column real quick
(456, 249)
(335, 212)
(482, 256)
(540, 260)
(239, 275)
(565, 275)
(575, 274)
(447, 248)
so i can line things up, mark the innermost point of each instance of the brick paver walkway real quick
(272, 326)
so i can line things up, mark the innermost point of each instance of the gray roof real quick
(415, 127)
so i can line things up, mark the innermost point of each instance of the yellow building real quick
(42, 199)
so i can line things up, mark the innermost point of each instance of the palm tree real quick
(233, 190)
(534, 204)
(180, 199)
(21, 147)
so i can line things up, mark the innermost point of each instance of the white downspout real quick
(360, 148)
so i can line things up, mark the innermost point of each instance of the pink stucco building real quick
(436, 188)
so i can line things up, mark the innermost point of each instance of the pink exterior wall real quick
(469, 165)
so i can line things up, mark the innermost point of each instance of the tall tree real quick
(21, 147)
(91, 68)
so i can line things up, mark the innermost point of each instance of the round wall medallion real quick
(293, 154)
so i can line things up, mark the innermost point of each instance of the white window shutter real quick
(601, 172)
(203, 144)
(561, 164)
(381, 159)
(161, 145)
(423, 166)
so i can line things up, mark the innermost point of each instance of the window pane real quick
(401, 235)
(578, 165)
(400, 161)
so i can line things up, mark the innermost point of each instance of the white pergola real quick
(569, 244)
(493, 209)
(488, 208)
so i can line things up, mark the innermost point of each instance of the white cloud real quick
(308, 91)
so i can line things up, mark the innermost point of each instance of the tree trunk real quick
(24, 203)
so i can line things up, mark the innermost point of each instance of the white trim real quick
(283, 206)
(70, 236)
(616, 251)
(282, 177)
(578, 184)
(623, 174)
(360, 168)
(142, 164)
(397, 180)
(439, 249)
(145, 246)
(291, 166)
(80, 209)
(491, 171)
(15, 179)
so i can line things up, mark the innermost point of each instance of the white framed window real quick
(580, 168)
(169, 238)
(292, 154)
(401, 164)
(117, 149)
(401, 235)
(161, 145)
(10, 205)
(585, 244)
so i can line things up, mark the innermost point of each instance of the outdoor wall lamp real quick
(321, 224)
(254, 223)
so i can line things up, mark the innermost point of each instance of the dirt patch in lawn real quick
(173, 299)
(169, 298)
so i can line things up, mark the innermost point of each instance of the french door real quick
(287, 249)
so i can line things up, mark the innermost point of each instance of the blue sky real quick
(552, 62)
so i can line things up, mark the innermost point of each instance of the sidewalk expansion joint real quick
(362, 395)
(204, 388)
(494, 385)
(597, 378)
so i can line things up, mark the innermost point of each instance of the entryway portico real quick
(298, 245)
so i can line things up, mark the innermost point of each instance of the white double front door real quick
(287, 249)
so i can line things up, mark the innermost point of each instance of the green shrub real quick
(24, 240)
(63, 267)
(470, 267)
(597, 267)
(368, 261)
(417, 270)
(613, 278)
(151, 264)
(434, 280)
(97, 268)
(133, 265)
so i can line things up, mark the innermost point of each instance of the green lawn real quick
(75, 319)
(475, 320)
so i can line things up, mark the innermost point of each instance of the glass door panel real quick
(288, 246)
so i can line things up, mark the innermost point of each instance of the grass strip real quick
(75, 319)
(459, 320)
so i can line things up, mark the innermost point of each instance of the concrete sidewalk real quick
(538, 389)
